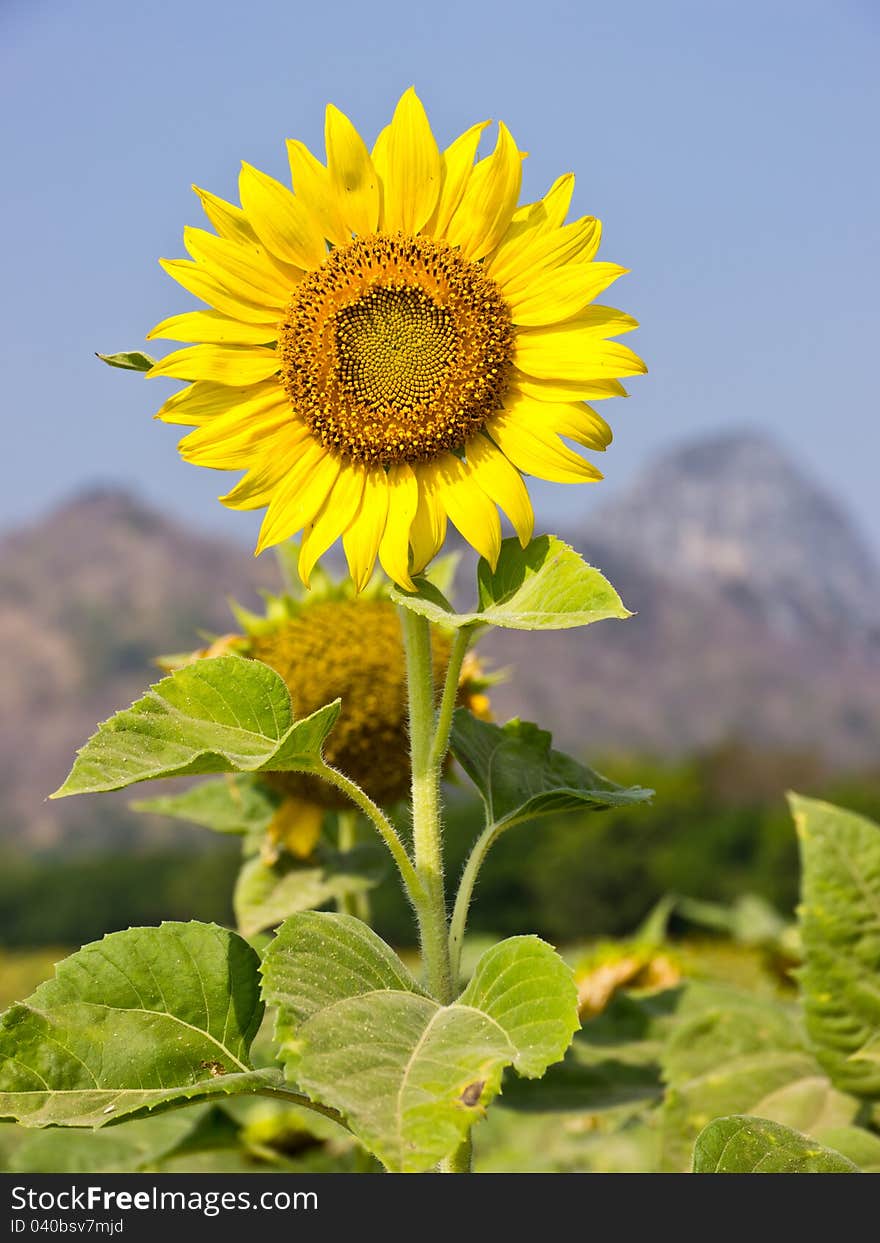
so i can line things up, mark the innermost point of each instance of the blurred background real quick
(730, 151)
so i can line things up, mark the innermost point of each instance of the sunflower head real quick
(392, 343)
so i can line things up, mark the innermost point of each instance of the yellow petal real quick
(361, 540)
(229, 220)
(456, 166)
(296, 826)
(559, 390)
(578, 422)
(351, 173)
(213, 328)
(311, 182)
(203, 284)
(536, 451)
(280, 455)
(236, 365)
(198, 403)
(533, 219)
(489, 200)
(302, 493)
(282, 221)
(411, 182)
(468, 506)
(573, 354)
(517, 263)
(503, 484)
(403, 501)
(246, 271)
(236, 438)
(334, 517)
(561, 293)
(429, 525)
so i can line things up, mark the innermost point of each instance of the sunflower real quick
(392, 344)
(333, 644)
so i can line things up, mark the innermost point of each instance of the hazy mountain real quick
(757, 617)
(88, 597)
(733, 514)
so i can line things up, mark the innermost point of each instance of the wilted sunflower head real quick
(351, 650)
(392, 342)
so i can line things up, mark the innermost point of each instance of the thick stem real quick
(427, 834)
(383, 825)
(440, 745)
(465, 892)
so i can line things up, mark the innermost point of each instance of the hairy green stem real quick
(427, 833)
(383, 825)
(465, 892)
(460, 1160)
(440, 745)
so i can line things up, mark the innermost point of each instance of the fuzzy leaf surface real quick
(545, 586)
(409, 1075)
(746, 1145)
(840, 930)
(223, 715)
(143, 1019)
(520, 776)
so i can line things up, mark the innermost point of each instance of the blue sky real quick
(730, 149)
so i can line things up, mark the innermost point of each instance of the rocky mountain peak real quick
(734, 512)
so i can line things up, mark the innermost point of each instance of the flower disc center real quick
(395, 346)
(395, 350)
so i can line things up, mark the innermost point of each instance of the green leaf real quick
(318, 959)
(737, 1053)
(265, 895)
(745, 1145)
(409, 1075)
(545, 586)
(233, 803)
(519, 775)
(840, 929)
(117, 1149)
(856, 1144)
(528, 990)
(214, 716)
(143, 1019)
(130, 360)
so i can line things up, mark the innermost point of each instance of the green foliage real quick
(840, 929)
(410, 1076)
(520, 777)
(744, 1145)
(214, 716)
(733, 1052)
(129, 360)
(229, 804)
(266, 894)
(145, 1019)
(545, 586)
